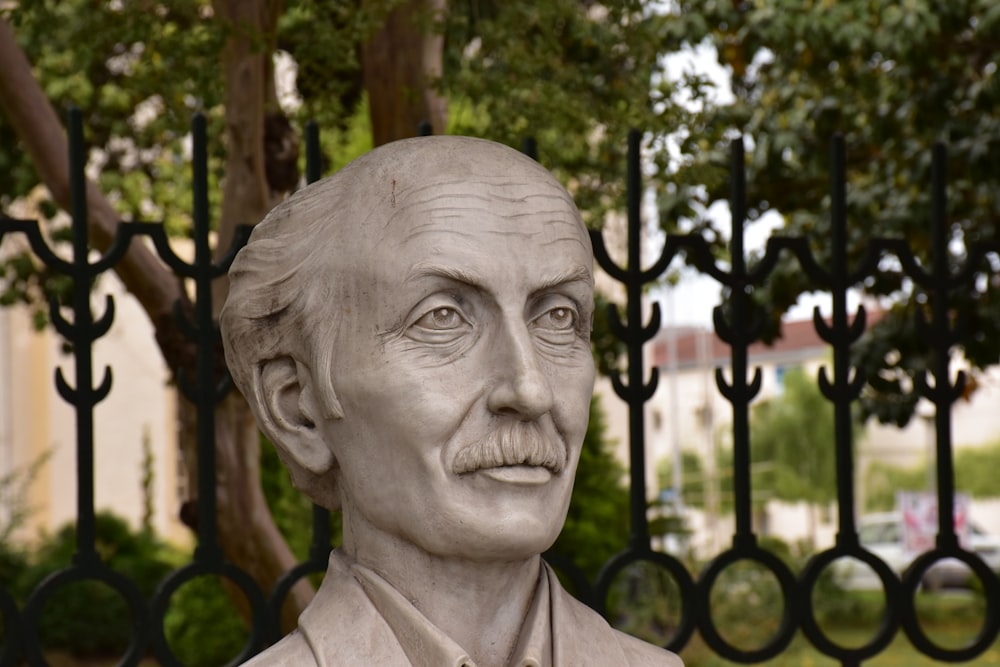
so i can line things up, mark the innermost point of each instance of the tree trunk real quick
(401, 66)
(246, 530)
(250, 100)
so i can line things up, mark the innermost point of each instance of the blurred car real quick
(882, 534)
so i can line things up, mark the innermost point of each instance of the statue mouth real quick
(519, 475)
(512, 448)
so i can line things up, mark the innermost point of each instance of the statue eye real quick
(441, 319)
(557, 325)
(560, 319)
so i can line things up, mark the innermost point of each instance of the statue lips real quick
(516, 452)
(521, 475)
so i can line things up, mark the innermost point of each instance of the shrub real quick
(89, 617)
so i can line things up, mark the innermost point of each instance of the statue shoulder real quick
(292, 651)
(585, 637)
(644, 653)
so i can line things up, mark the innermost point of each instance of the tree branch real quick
(40, 130)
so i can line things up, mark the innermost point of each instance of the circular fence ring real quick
(912, 578)
(284, 585)
(582, 590)
(260, 629)
(93, 571)
(12, 629)
(786, 580)
(810, 626)
(680, 574)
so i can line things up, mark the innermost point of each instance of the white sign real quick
(920, 520)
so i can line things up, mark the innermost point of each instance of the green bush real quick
(202, 626)
(597, 521)
(89, 617)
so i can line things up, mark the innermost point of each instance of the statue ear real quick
(289, 413)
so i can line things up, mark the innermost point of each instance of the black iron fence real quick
(737, 324)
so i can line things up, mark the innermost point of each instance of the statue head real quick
(412, 334)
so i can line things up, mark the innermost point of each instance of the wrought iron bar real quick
(206, 393)
(739, 325)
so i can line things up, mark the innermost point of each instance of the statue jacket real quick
(358, 618)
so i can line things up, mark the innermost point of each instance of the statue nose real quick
(521, 388)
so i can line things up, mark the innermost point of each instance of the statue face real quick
(464, 368)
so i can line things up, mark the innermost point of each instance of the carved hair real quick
(270, 311)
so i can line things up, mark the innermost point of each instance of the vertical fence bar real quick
(639, 535)
(942, 396)
(740, 394)
(82, 343)
(81, 333)
(943, 335)
(842, 391)
(207, 391)
(208, 546)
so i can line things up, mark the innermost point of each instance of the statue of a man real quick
(413, 334)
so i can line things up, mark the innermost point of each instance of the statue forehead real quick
(399, 184)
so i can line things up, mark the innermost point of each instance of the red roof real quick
(697, 346)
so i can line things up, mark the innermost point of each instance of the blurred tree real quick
(893, 78)
(793, 446)
(883, 480)
(693, 479)
(973, 476)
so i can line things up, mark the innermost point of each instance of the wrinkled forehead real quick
(467, 203)
(434, 174)
(434, 186)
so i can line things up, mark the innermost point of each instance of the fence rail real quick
(738, 324)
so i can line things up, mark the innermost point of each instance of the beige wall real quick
(140, 405)
(25, 427)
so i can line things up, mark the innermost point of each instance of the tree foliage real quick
(575, 75)
(793, 434)
(974, 475)
(137, 76)
(89, 617)
(596, 525)
(893, 77)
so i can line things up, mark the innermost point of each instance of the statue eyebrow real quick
(450, 272)
(578, 274)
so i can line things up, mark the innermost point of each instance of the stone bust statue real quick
(412, 334)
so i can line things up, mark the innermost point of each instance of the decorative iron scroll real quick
(738, 324)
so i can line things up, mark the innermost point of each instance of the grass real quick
(900, 653)
(951, 620)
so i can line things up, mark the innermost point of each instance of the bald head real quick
(306, 269)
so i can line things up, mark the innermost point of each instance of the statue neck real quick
(479, 604)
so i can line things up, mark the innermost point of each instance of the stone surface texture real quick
(412, 334)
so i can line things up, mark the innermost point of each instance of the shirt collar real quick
(426, 646)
